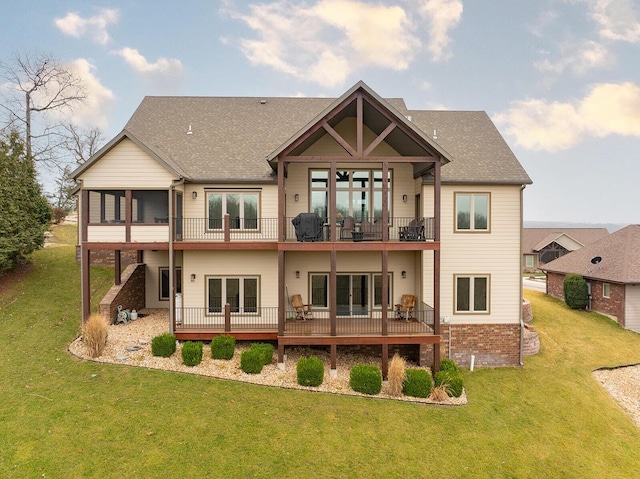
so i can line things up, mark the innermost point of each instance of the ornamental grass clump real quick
(191, 353)
(163, 345)
(418, 383)
(365, 379)
(251, 361)
(396, 375)
(94, 334)
(223, 347)
(310, 371)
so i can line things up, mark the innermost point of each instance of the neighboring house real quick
(611, 267)
(542, 245)
(237, 204)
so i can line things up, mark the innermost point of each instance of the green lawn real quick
(64, 418)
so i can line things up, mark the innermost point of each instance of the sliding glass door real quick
(352, 294)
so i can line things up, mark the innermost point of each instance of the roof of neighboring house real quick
(215, 139)
(535, 239)
(619, 255)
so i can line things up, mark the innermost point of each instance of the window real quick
(358, 193)
(377, 291)
(472, 211)
(529, 260)
(319, 290)
(164, 283)
(241, 293)
(606, 290)
(472, 294)
(241, 206)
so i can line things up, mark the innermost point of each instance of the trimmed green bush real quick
(576, 291)
(365, 379)
(191, 353)
(452, 382)
(265, 350)
(449, 365)
(252, 361)
(163, 345)
(418, 383)
(223, 347)
(310, 371)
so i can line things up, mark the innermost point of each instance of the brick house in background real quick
(542, 245)
(235, 205)
(611, 267)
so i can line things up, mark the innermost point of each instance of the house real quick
(234, 205)
(611, 267)
(542, 245)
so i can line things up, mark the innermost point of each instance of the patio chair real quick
(413, 232)
(303, 311)
(348, 225)
(405, 309)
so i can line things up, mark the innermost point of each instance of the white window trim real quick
(472, 277)
(224, 194)
(224, 295)
(472, 228)
(526, 261)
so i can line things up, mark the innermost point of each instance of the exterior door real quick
(352, 294)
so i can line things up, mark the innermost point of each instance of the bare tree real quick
(82, 143)
(39, 90)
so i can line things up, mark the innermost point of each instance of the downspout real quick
(172, 271)
(520, 275)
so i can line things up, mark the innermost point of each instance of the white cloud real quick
(328, 40)
(607, 109)
(443, 15)
(96, 27)
(617, 19)
(578, 58)
(167, 66)
(96, 110)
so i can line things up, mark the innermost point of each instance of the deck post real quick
(227, 317)
(117, 267)
(385, 361)
(385, 288)
(333, 288)
(85, 266)
(334, 361)
(227, 228)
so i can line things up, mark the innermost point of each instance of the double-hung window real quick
(472, 211)
(241, 206)
(606, 290)
(472, 294)
(241, 293)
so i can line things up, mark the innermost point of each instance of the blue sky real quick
(560, 78)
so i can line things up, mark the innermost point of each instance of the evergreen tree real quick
(24, 212)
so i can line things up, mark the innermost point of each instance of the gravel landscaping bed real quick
(130, 344)
(624, 386)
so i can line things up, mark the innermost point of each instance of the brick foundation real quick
(130, 294)
(491, 344)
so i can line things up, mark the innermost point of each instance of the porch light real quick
(404, 274)
(405, 198)
(298, 274)
(296, 197)
(193, 277)
(194, 194)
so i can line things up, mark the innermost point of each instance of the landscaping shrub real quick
(449, 365)
(310, 371)
(94, 334)
(365, 379)
(576, 291)
(396, 375)
(163, 345)
(265, 350)
(452, 381)
(418, 383)
(223, 347)
(58, 215)
(252, 361)
(191, 353)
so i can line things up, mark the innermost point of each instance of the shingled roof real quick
(534, 239)
(216, 139)
(619, 255)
